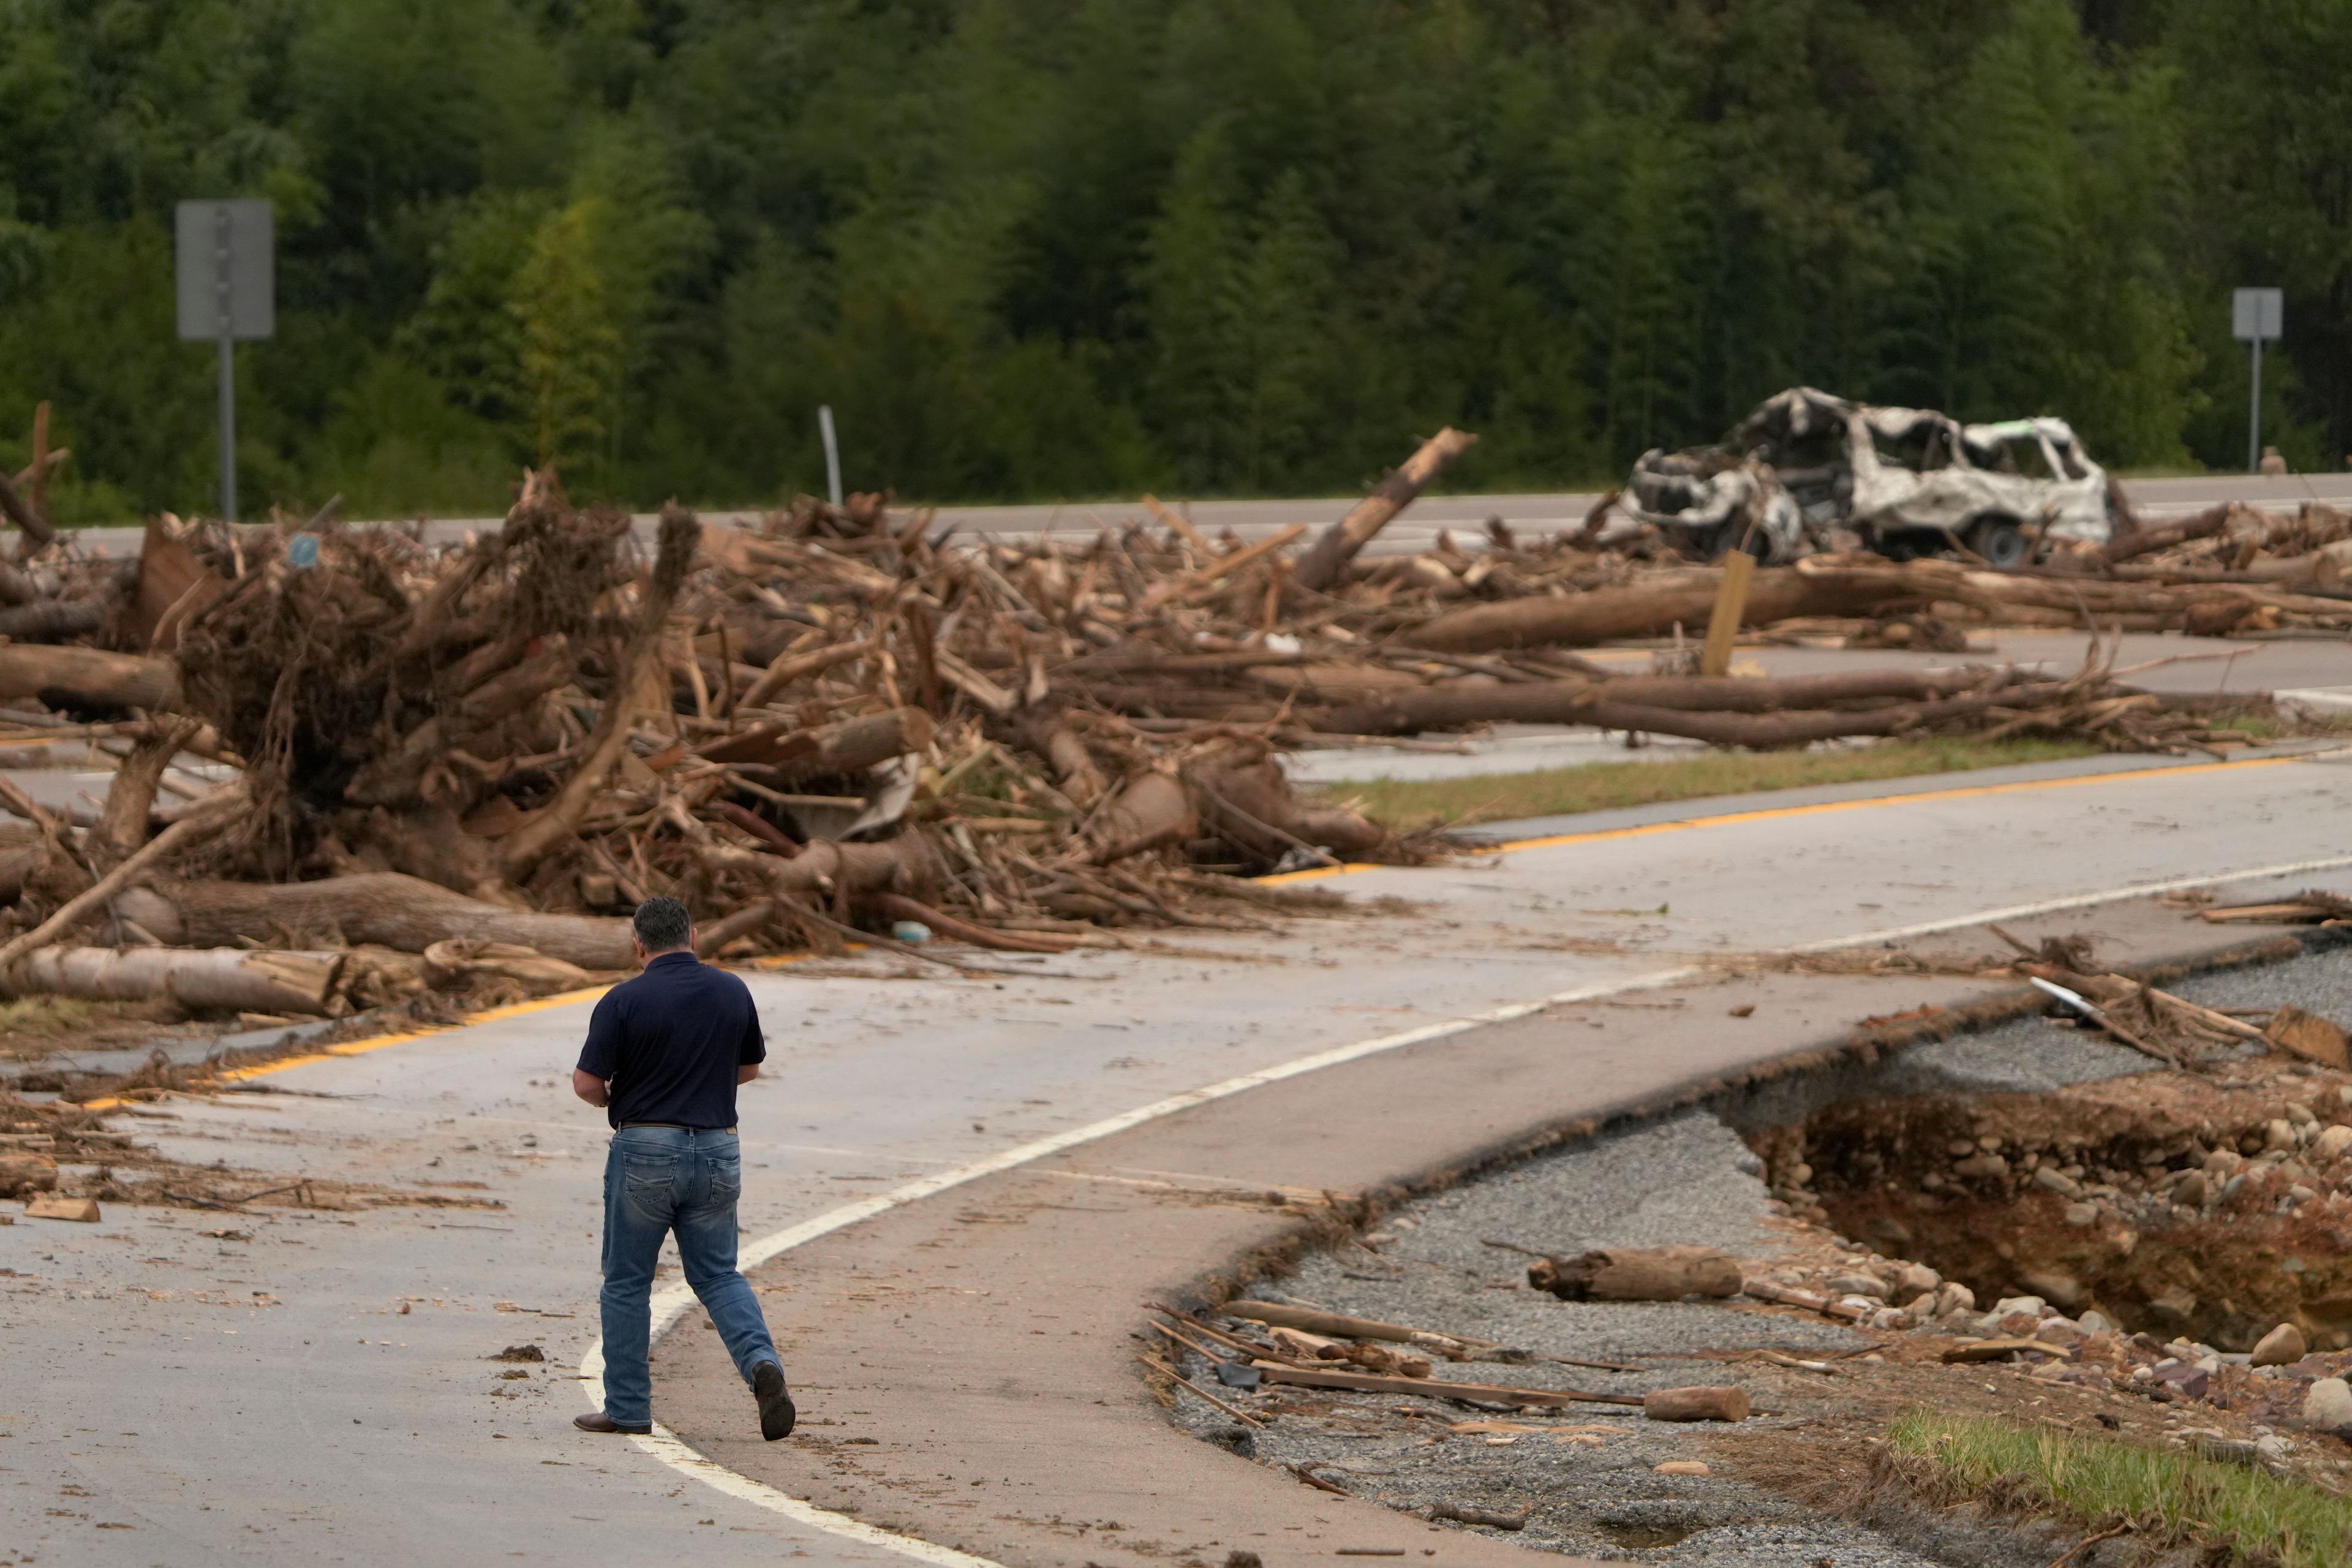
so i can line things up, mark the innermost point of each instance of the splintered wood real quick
(842, 723)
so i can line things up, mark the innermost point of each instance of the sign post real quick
(228, 291)
(2255, 316)
(832, 454)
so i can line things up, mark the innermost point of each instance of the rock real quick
(1913, 1281)
(2063, 1292)
(1868, 1285)
(2328, 1406)
(2278, 1133)
(22, 1172)
(1703, 1403)
(2191, 1189)
(51, 1206)
(2279, 1347)
(2082, 1215)
(2097, 1323)
(2008, 1304)
(2299, 1194)
(2331, 1144)
(1983, 1165)
(2174, 1305)
(1681, 1467)
(2223, 1164)
(2058, 1182)
(2300, 1115)
(1954, 1297)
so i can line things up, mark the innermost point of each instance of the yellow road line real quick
(1821, 809)
(378, 1042)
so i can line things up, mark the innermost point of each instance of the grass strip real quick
(2165, 1495)
(1411, 803)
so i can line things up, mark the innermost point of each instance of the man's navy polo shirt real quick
(669, 1042)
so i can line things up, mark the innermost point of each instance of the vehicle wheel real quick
(2000, 541)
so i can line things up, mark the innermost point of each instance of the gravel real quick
(1685, 1179)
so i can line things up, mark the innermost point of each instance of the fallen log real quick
(220, 978)
(12, 506)
(1406, 709)
(22, 1171)
(850, 746)
(2148, 541)
(1648, 608)
(1637, 1274)
(1321, 567)
(1341, 1326)
(122, 823)
(52, 620)
(1493, 1519)
(210, 814)
(1316, 1378)
(1151, 811)
(897, 906)
(386, 908)
(88, 677)
(1703, 1403)
(1250, 802)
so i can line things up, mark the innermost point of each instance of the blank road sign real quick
(226, 270)
(2256, 314)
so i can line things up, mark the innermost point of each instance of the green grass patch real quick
(2095, 1481)
(1410, 804)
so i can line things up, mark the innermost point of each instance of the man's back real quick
(670, 1043)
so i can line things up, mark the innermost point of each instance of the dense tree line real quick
(1043, 248)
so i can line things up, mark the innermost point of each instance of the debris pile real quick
(457, 767)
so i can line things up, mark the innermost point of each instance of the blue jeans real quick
(659, 1180)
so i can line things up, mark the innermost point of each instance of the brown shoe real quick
(597, 1421)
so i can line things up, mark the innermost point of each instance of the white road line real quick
(670, 1303)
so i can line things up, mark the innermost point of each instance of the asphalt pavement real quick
(288, 1386)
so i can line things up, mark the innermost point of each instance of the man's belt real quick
(681, 1126)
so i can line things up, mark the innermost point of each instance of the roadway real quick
(299, 1385)
(1465, 516)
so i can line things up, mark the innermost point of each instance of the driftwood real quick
(1649, 608)
(520, 852)
(385, 909)
(87, 677)
(221, 979)
(1321, 567)
(213, 812)
(1637, 1274)
(1704, 1402)
(783, 753)
(13, 507)
(52, 620)
(1314, 1322)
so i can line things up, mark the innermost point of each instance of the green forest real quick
(1041, 249)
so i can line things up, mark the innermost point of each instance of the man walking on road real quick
(665, 1054)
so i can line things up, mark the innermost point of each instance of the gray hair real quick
(662, 924)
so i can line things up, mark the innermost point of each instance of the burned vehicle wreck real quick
(1806, 468)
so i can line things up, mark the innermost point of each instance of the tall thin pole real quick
(227, 369)
(2254, 415)
(832, 453)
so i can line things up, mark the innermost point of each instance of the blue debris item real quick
(1233, 1375)
(302, 552)
(910, 932)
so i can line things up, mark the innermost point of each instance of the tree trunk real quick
(52, 620)
(1152, 810)
(1637, 1274)
(2148, 541)
(383, 908)
(88, 677)
(1407, 710)
(218, 979)
(13, 506)
(122, 825)
(1251, 803)
(1321, 567)
(1717, 1402)
(853, 745)
(1650, 608)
